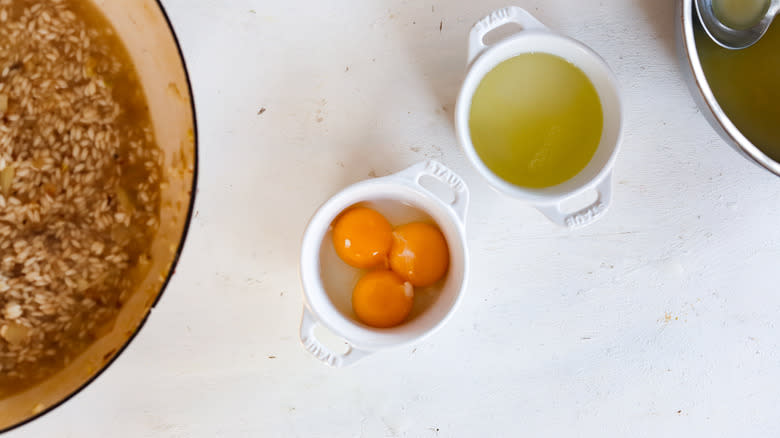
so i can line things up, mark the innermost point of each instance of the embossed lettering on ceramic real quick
(583, 217)
(496, 16)
(445, 175)
(320, 352)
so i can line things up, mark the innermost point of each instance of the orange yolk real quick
(419, 253)
(362, 238)
(382, 299)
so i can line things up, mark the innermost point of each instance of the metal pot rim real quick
(700, 87)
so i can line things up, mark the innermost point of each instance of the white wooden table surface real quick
(659, 320)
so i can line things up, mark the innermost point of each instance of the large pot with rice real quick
(97, 175)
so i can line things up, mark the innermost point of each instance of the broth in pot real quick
(745, 84)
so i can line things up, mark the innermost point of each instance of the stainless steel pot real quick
(687, 23)
(144, 28)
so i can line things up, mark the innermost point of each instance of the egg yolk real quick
(419, 253)
(382, 299)
(362, 238)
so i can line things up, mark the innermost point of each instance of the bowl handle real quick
(587, 215)
(496, 19)
(433, 168)
(320, 351)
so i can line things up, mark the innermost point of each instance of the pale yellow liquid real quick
(746, 84)
(536, 120)
(740, 14)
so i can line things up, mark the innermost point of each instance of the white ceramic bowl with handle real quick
(535, 37)
(330, 309)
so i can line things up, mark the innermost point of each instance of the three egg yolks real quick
(416, 255)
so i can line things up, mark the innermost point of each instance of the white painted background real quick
(658, 320)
